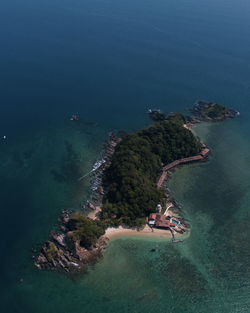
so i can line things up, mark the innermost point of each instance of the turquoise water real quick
(109, 61)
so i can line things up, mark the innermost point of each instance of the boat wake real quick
(97, 165)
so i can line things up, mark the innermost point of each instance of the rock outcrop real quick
(61, 253)
(209, 111)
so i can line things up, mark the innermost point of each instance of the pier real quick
(200, 157)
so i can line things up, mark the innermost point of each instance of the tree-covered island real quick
(209, 111)
(130, 192)
(130, 180)
(130, 189)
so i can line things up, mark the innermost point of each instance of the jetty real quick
(199, 157)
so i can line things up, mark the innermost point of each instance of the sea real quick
(109, 61)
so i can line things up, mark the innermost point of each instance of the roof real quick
(159, 220)
(152, 216)
(163, 224)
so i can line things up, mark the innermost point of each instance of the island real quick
(209, 111)
(130, 192)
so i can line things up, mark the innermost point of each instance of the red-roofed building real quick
(158, 220)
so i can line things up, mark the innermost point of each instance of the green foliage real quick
(52, 252)
(85, 230)
(215, 110)
(177, 118)
(136, 163)
(157, 116)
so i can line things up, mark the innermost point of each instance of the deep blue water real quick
(109, 61)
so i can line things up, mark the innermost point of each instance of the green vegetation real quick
(131, 178)
(84, 230)
(216, 110)
(52, 252)
(157, 116)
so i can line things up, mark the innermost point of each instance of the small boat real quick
(75, 264)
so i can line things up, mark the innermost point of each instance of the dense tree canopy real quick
(131, 178)
(215, 110)
(85, 230)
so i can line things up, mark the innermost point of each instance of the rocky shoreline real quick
(58, 252)
(202, 111)
(212, 112)
(97, 182)
(70, 256)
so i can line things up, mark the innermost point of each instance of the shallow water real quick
(109, 61)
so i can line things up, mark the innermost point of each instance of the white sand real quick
(112, 232)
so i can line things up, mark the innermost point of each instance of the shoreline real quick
(147, 231)
(64, 252)
(56, 253)
(116, 232)
(121, 231)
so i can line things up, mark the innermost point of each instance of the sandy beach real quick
(113, 232)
